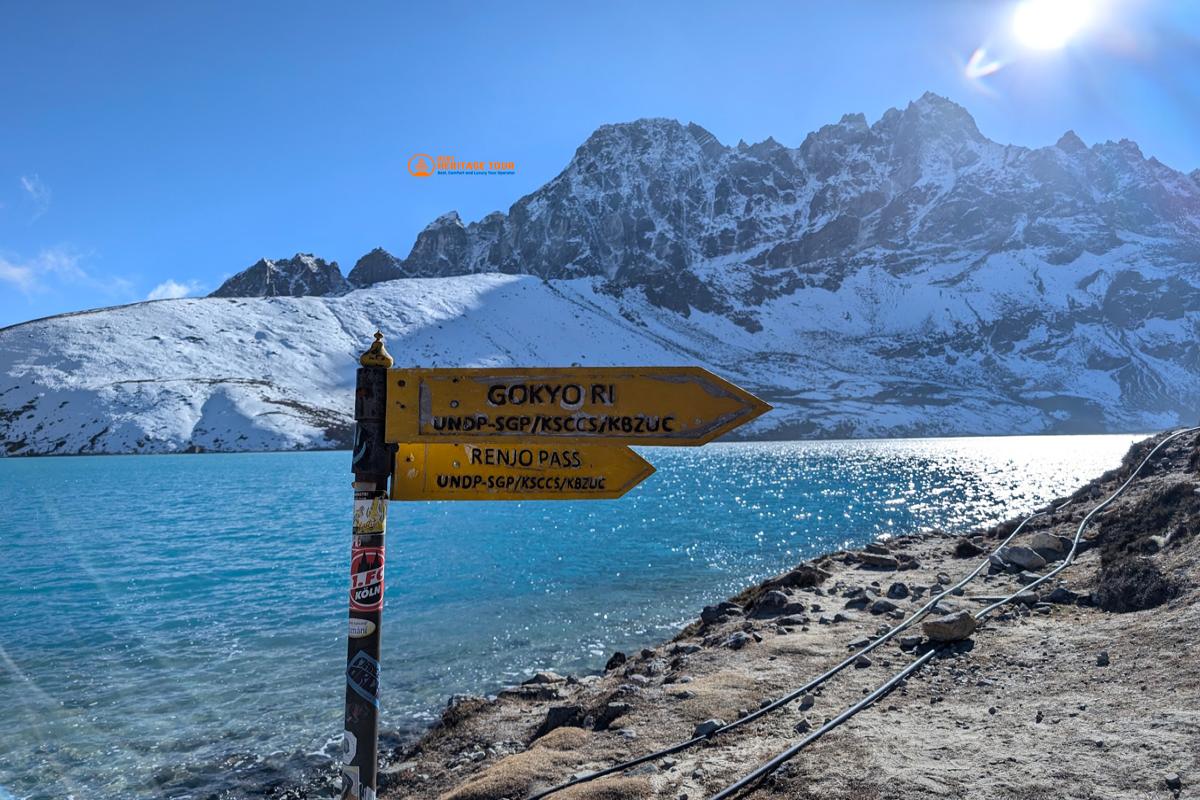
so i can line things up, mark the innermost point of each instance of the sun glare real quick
(1050, 24)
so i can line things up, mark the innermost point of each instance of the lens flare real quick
(1050, 24)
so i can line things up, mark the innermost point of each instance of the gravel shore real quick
(1087, 688)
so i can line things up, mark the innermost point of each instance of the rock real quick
(1049, 546)
(943, 579)
(882, 606)
(949, 628)
(1102, 659)
(803, 726)
(859, 643)
(804, 576)
(737, 641)
(1027, 598)
(908, 643)
(1022, 557)
(545, 677)
(875, 548)
(862, 601)
(686, 649)
(639, 680)
(684, 695)
(792, 621)
(807, 702)
(840, 617)
(862, 662)
(898, 591)
(911, 563)
(560, 716)
(1173, 781)
(1025, 577)
(1062, 596)
(610, 713)
(711, 614)
(875, 561)
(707, 728)
(775, 603)
(965, 548)
(617, 660)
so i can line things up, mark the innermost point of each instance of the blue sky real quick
(153, 149)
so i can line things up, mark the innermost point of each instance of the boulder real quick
(1022, 557)
(949, 628)
(618, 659)
(875, 561)
(559, 716)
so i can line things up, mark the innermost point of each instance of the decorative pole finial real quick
(376, 355)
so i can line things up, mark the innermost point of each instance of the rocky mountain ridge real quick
(908, 277)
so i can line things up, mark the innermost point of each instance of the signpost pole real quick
(372, 465)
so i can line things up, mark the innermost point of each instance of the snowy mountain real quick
(909, 277)
(302, 275)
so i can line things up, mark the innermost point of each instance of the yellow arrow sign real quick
(515, 472)
(613, 405)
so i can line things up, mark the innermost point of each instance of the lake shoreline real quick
(768, 638)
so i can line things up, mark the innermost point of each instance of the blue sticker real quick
(362, 674)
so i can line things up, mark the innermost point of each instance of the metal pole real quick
(372, 465)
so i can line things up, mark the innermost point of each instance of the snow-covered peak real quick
(301, 275)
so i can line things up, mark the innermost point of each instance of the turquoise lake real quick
(174, 626)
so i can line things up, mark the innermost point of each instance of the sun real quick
(1050, 24)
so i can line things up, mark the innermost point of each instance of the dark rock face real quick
(301, 275)
(376, 266)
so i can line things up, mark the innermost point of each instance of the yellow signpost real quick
(540, 433)
(516, 472)
(613, 405)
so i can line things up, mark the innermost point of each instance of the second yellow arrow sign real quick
(515, 472)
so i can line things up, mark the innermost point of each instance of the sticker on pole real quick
(366, 578)
(370, 512)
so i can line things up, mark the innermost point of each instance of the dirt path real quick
(1060, 699)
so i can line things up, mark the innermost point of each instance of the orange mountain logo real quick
(420, 166)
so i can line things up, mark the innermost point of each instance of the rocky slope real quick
(302, 275)
(906, 277)
(1085, 688)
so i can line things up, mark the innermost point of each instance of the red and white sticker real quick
(366, 578)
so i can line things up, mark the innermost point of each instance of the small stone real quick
(544, 677)
(1102, 659)
(877, 549)
(707, 727)
(1062, 596)
(908, 643)
(1173, 781)
(807, 702)
(618, 659)
(992, 710)
(859, 643)
(1026, 598)
(882, 606)
(943, 579)
(792, 621)
(803, 726)
(898, 591)
(862, 662)
(949, 628)
(965, 548)
(737, 641)
(686, 649)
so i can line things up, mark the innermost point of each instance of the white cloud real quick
(39, 193)
(172, 290)
(57, 266)
(19, 275)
